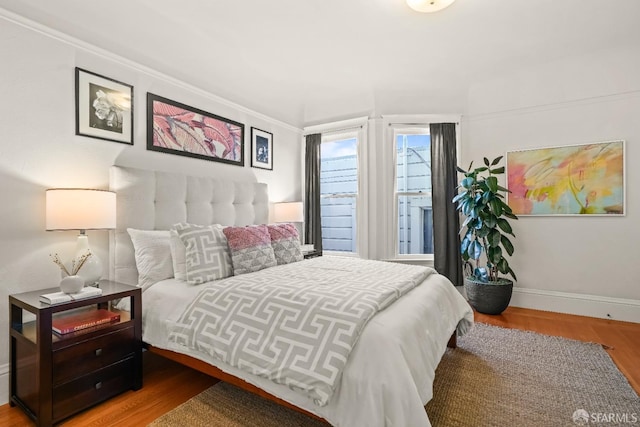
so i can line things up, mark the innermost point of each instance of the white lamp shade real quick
(288, 212)
(428, 6)
(80, 209)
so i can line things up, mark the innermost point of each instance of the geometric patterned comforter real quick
(294, 324)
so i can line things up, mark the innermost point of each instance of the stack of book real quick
(68, 322)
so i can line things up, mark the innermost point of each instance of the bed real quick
(387, 375)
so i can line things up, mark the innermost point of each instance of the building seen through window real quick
(339, 193)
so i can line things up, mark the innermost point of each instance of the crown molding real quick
(98, 51)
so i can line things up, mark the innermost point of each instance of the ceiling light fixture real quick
(428, 6)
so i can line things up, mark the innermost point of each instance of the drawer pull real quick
(99, 385)
(99, 352)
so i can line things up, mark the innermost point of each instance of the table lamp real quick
(82, 209)
(288, 212)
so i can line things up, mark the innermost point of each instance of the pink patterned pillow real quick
(250, 248)
(285, 242)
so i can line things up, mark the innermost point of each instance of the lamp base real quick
(91, 270)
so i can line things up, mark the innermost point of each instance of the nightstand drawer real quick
(86, 391)
(88, 356)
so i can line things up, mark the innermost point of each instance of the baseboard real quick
(626, 310)
(4, 384)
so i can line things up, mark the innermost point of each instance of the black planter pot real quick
(488, 298)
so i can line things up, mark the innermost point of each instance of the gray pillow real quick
(207, 254)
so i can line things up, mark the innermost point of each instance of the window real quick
(413, 191)
(339, 191)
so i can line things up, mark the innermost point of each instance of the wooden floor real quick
(167, 384)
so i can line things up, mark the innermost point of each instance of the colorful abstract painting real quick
(176, 128)
(573, 180)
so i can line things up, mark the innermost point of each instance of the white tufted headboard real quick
(151, 200)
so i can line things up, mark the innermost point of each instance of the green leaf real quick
(496, 207)
(506, 244)
(459, 169)
(504, 225)
(494, 238)
(497, 171)
(496, 161)
(494, 254)
(505, 207)
(510, 215)
(480, 273)
(458, 197)
(475, 250)
(482, 232)
(492, 183)
(491, 221)
(464, 245)
(503, 266)
(486, 161)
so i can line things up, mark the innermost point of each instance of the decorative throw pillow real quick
(153, 256)
(206, 253)
(285, 242)
(250, 248)
(178, 256)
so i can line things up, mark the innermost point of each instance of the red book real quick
(73, 322)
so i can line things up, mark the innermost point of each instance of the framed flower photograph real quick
(261, 149)
(176, 128)
(104, 107)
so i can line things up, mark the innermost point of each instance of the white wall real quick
(39, 150)
(584, 265)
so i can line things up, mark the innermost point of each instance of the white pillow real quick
(207, 252)
(153, 256)
(178, 255)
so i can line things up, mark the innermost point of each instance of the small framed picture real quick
(261, 149)
(104, 107)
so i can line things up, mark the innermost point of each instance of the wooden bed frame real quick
(211, 370)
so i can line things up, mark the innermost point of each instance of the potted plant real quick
(485, 229)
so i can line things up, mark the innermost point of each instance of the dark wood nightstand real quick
(312, 254)
(55, 376)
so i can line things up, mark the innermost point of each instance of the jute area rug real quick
(496, 377)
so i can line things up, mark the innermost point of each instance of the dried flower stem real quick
(75, 267)
(81, 262)
(56, 260)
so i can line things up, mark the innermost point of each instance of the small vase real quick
(71, 284)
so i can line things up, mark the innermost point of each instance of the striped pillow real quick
(250, 248)
(207, 253)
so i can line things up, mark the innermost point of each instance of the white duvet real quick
(389, 376)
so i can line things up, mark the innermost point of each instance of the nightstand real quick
(312, 254)
(55, 376)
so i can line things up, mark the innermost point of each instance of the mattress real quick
(389, 375)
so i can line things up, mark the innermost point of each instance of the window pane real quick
(338, 223)
(339, 177)
(414, 162)
(339, 167)
(415, 225)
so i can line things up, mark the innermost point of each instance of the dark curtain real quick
(446, 222)
(312, 222)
